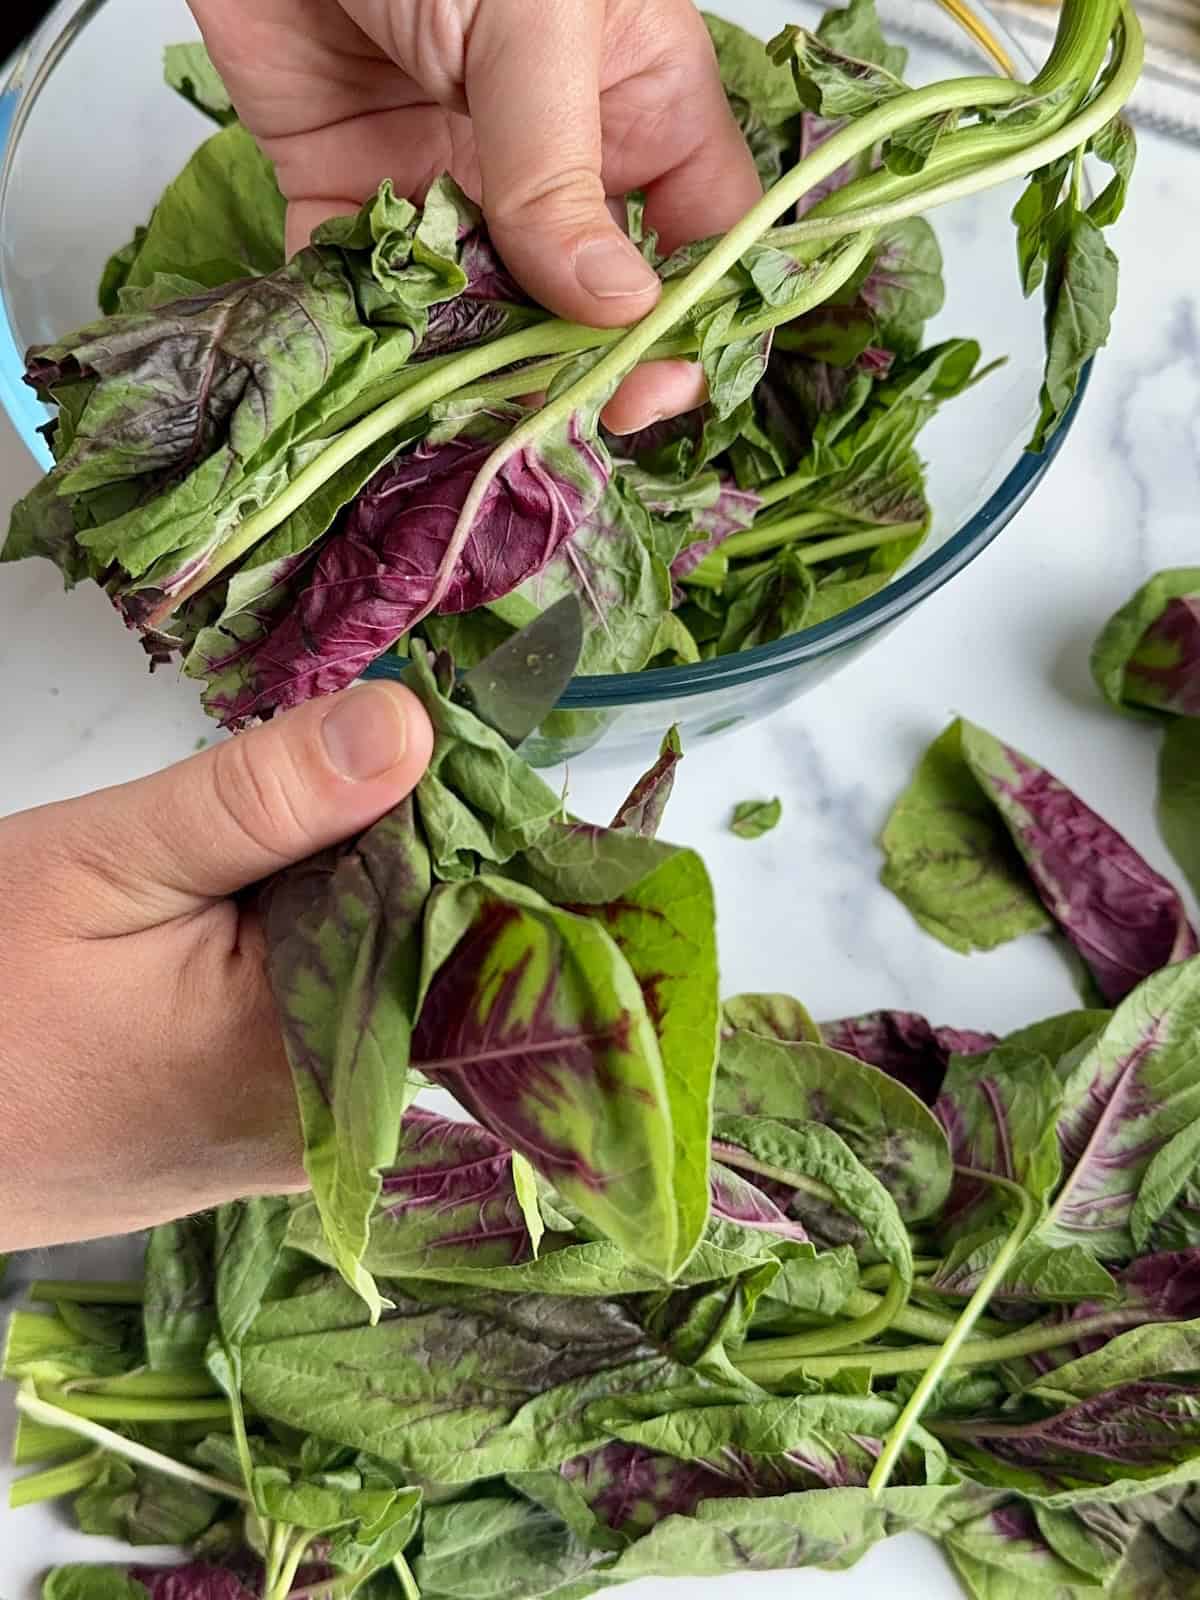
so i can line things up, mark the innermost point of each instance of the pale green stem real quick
(897, 1439)
(55, 1482)
(712, 571)
(857, 1330)
(537, 378)
(1040, 153)
(145, 1386)
(852, 543)
(30, 1404)
(678, 298)
(85, 1293)
(913, 1320)
(407, 1582)
(774, 1360)
(118, 1408)
(876, 1277)
(292, 1557)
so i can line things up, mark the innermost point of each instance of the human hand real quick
(142, 1071)
(539, 108)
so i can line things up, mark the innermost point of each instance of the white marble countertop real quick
(1006, 643)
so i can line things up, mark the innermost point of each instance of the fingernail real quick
(365, 734)
(611, 269)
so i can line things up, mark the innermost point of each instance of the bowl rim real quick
(901, 595)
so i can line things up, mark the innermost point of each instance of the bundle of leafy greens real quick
(699, 1288)
(279, 471)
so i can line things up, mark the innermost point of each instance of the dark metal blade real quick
(515, 688)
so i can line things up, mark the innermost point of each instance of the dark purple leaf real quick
(194, 1581)
(238, 1579)
(1138, 1430)
(1164, 671)
(490, 304)
(379, 570)
(736, 1199)
(451, 1187)
(905, 1046)
(1124, 918)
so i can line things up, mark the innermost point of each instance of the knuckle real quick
(570, 196)
(255, 799)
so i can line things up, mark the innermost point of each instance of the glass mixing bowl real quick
(91, 137)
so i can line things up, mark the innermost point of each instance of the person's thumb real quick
(230, 816)
(533, 87)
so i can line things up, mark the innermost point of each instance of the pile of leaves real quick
(278, 471)
(701, 1288)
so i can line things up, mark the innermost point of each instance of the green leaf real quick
(999, 1111)
(623, 587)
(1039, 1275)
(854, 29)
(1135, 670)
(766, 605)
(500, 1549)
(1129, 1095)
(478, 801)
(1179, 796)
(221, 218)
(1081, 294)
(451, 1386)
(1116, 146)
(189, 71)
(78, 1582)
(951, 861)
(142, 1507)
(534, 1020)
(344, 954)
(889, 1130)
(774, 1016)
(819, 1160)
(753, 818)
(657, 905)
(179, 1308)
(526, 1189)
(749, 73)
(909, 150)
(830, 81)
(1175, 1167)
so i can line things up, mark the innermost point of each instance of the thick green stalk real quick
(876, 1277)
(770, 1361)
(852, 543)
(681, 296)
(407, 1582)
(30, 1404)
(120, 1408)
(910, 1417)
(146, 1386)
(918, 1323)
(292, 1549)
(712, 572)
(55, 1482)
(926, 195)
(86, 1293)
(536, 379)
(873, 1319)
(1084, 33)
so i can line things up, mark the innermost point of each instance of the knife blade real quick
(515, 688)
